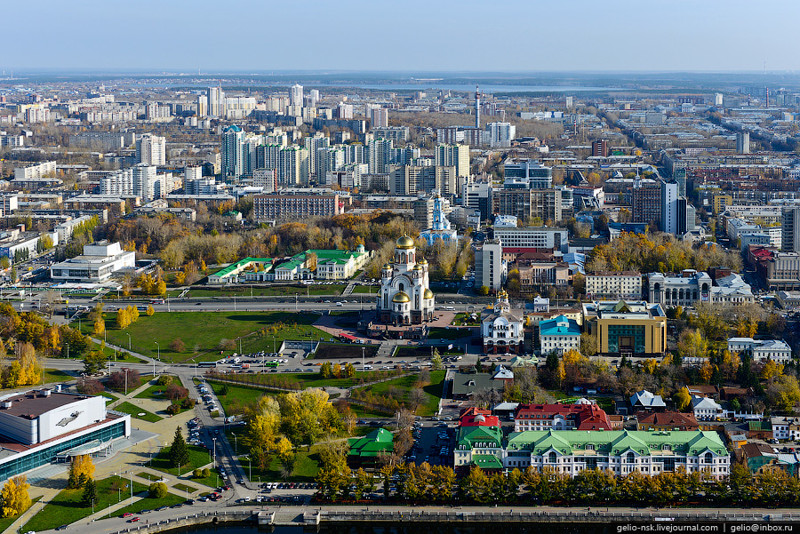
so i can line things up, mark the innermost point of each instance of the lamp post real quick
(67, 344)
(129, 340)
(158, 349)
(363, 365)
(214, 455)
(295, 302)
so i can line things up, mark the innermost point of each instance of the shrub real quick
(158, 490)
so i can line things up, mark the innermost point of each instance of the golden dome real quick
(401, 296)
(428, 294)
(423, 261)
(418, 267)
(387, 267)
(405, 242)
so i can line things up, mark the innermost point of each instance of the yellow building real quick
(627, 328)
(720, 202)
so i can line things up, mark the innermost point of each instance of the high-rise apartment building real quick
(216, 102)
(669, 208)
(600, 148)
(312, 145)
(292, 166)
(743, 143)
(379, 156)
(151, 150)
(646, 202)
(296, 95)
(790, 229)
(378, 117)
(500, 134)
(527, 204)
(489, 265)
(453, 156)
(233, 164)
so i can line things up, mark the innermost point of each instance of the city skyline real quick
(619, 36)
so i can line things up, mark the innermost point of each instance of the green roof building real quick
(365, 452)
(480, 446)
(622, 452)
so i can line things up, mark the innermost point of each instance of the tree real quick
(178, 452)
(326, 370)
(15, 497)
(436, 361)
(89, 493)
(349, 370)
(783, 392)
(483, 291)
(158, 490)
(588, 344)
(177, 345)
(94, 362)
(99, 327)
(682, 399)
(81, 470)
(150, 311)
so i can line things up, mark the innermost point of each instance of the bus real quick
(272, 365)
(207, 364)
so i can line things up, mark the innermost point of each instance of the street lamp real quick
(129, 340)
(158, 347)
(214, 456)
(67, 344)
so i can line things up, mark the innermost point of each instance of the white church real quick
(405, 297)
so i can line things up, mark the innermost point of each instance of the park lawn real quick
(438, 332)
(156, 392)
(202, 331)
(198, 457)
(6, 521)
(65, 508)
(267, 291)
(365, 290)
(406, 383)
(306, 380)
(148, 476)
(212, 480)
(55, 375)
(184, 488)
(149, 503)
(115, 356)
(465, 319)
(363, 411)
(237, 397)
(305, 469)
(434, 392)
(134, 411)
(110, 396)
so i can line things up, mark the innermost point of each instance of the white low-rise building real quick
(785, 428)
(706, 409)
(614, 285)
(98, 262)
(761, 350)
(732, 289)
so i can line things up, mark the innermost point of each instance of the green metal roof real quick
(377, 442)
(470, 435)
(616, 442)
(225, 271)
(486, 461)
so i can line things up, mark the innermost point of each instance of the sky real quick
(401, 35)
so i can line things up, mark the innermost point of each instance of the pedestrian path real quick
(349, 289)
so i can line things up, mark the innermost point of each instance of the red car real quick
(126, 514)
(133, 520)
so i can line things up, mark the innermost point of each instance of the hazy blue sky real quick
(417, 35)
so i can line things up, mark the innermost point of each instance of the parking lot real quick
(433, 443)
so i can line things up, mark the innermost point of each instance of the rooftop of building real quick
(32, 404)
(559, 326)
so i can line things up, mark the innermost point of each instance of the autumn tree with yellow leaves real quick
(81, 470)
(15, 496)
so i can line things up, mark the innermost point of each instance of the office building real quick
(627, 328)
(96, 265)
(761, 350)
(687, 289)
(646, 202)
(526, 174)
(41, 427)
(531, 239)
(151, 150)
(614, 285)
(490, 268)
(559, 334)
(669, 208)
(576, 416)
(526, 204)
(453, 156)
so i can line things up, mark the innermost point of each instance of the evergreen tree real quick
(89, 493)
(178, 452)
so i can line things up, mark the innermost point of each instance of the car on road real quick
(133, 520)
(126, 514)
(62, 527)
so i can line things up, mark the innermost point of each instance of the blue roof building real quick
(559, 334)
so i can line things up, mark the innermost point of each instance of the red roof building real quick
(668, 421)
(560, 417)
(478, 417)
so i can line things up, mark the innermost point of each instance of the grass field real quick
(202, 332)
(267, 291)
(365, 290)
(127, 407)
(6, 521)
(110, 396)
(148, 503)
(327, 351)
(155, 391)
(307, 380)
(198, 457)
(65, 508)
(237, 397)
(55, 375)
(403, 386)
(184, 488)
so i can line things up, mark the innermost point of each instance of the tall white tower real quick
(296, 95)
(477, 107)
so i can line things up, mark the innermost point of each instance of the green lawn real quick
(305, 469)
(110, 396)
(127, 407)
(55, 375)
(184, 488)
(65, 507)
(366, 290)
(148, 503)
(363, 411)
(202, 332)
(198, 457)
(237, 398)
(155, 391)
(267, 291)
(402, 386)
(212, 481)
(306, 380)
(448, 333)
(6, 521)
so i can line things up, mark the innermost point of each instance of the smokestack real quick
(477, 107)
